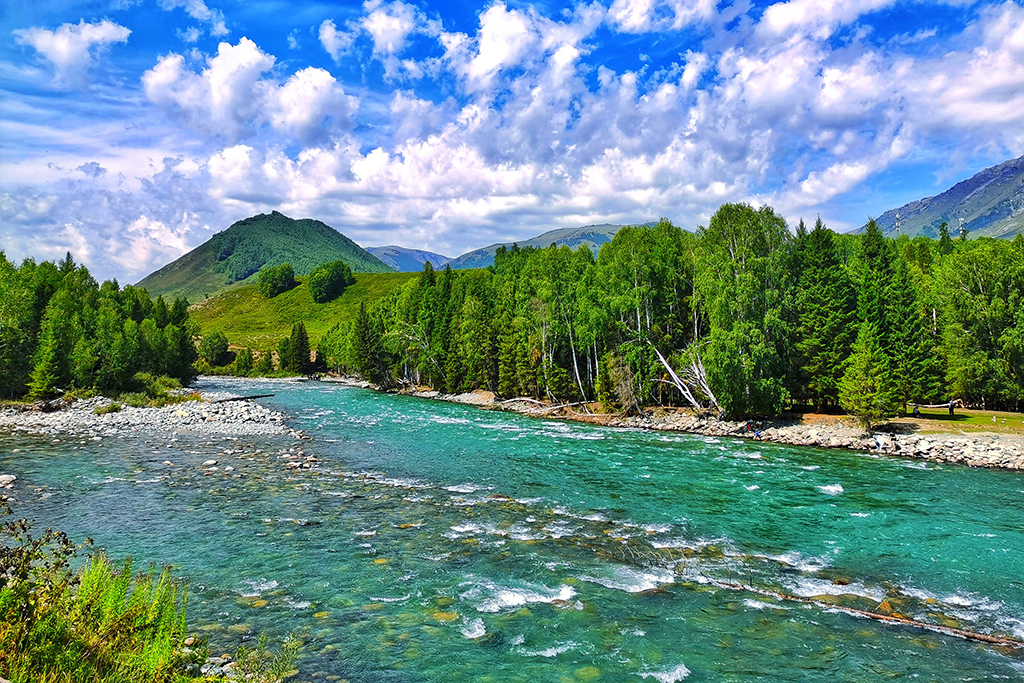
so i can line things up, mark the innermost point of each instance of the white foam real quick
(464, 488)
(810, 467)
(632, 580)
(258, 586)
(799, 561)
(549, 652)
(807, 587)
(672, 676)
(752, 487)
(474, 629)
(399, 599)
(860, 514)
(490, 597)
(831, 489)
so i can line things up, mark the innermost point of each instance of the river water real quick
(439, 542)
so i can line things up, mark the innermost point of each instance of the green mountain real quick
(238, 253)
(990, 203)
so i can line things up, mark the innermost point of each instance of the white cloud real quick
(389, 25)
(198, 10)
(334, 41)
(643, 16)
(71, 48)
(814, 17)
(231, 99)
(190, 35)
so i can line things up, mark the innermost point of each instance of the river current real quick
(439, 542)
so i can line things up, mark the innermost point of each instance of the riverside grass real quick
(247, 318)
(102, 623)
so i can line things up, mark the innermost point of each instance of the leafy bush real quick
(328, 280)
(100, 624)
(109, 408)
(135, 399)
(276, 279)
(214, 349)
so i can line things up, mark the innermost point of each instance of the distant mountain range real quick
(408, 260)
(591, 235)
(238, 253)
(991, 204)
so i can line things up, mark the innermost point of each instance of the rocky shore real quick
(89, 418)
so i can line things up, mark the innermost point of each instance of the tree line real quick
(61, 331)
(743, 317)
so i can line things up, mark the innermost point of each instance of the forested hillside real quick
(238, 253)
(742, 316)
(61, 331)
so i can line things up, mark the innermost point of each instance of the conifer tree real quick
(299, 349)
(867, 389)
(826, 309)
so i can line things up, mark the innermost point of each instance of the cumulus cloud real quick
(198, 10)
(523, 124)
(72, 48)
(644, 16)
(334, 41)
(230, 98)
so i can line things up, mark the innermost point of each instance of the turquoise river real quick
(440, 542)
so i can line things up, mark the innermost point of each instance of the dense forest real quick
(743, 317)
(60, 331)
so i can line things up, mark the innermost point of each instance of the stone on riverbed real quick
(7, 479)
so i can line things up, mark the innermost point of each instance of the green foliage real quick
(261, 665)
(113, 407)
(868, 389)
(274, 280)
(264, 364)
(60, 331)
(298, 349)
(244, 363)
(214, 348)
(328, 280)
(103, 623)
(752, 317)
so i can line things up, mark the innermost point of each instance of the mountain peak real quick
(238, 253)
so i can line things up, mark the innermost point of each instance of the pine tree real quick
(365, 347)
(44, 373)
(826, 309)
(867, 389)
(299, 349)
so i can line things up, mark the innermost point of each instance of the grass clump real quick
(102, 623)
(114, 407)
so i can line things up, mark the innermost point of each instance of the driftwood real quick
(886, 618)
(243, 398)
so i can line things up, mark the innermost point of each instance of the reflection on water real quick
(434, 542)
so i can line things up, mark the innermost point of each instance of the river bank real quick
(998, 451)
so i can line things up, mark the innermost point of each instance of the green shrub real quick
(328, 280)
(114, 407)
(276, 279)
(135, 399)
(214, 349)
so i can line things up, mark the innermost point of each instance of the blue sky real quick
(132, 130)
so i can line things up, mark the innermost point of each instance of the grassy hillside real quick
(247, 318)
(238, 253)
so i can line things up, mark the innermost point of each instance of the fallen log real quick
(242, 398)
(885, 618)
